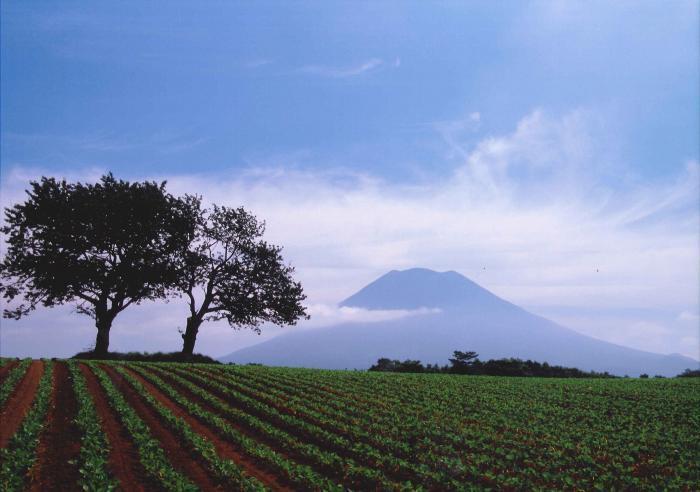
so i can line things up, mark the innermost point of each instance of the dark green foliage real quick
(243, 278)
(16, 374)
(441, 432)
(388, 365)
(94, 446)
(148, 357)
(301, 475)
(468, 363)
(227, 471)
(151, 453)
(103, 246)
(690, 373)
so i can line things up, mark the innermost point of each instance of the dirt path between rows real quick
(224, 449)
(5, 370)
(124, 461)
(19, 403)
(59, 444)
(179, 456)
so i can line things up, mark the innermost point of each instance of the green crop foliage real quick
(151, 454)
(227, 471)
(94, 445)
(20, 454)
(13, 378)
(488, 431)
(301, 475)
(249, 409)
(341, 430)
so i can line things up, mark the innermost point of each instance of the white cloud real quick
(344, 72)
(688, 316)
(331, 314)
(257, 63)
(532, 215)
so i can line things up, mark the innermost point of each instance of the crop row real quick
(94, 449)
(296, 473)
(12, 379)
(445, 460)
(350, 450)
(602, 433)
(151, 454)
(332, 429)
(20, 454)
(256, 428)
(225, 470)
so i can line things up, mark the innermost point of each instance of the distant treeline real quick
(468, 363)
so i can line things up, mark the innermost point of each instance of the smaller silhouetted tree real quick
(462, 362)
(229, 272)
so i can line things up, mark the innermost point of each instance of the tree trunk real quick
(190, 335)
(102, 341)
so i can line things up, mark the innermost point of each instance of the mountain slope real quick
(470, 318)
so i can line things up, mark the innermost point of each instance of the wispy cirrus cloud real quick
(257, 63)
(341, 72)
(165, 142)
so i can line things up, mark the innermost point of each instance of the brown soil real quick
(20, 401)
(224, 449)
(59, 445)
(178, 455)
(5, 370)
(124, 461)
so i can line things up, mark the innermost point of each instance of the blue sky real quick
(536, 121)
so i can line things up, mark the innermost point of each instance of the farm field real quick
(69, 425)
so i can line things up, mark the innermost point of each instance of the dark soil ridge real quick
(124, 462)
(179, 457)
(56, 468)
(224, 449)
(19, 402)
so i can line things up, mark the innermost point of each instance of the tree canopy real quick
(103, 246)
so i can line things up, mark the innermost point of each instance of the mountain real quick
(461, 315)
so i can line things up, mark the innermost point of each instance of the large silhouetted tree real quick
(229, 272)
(104, 246)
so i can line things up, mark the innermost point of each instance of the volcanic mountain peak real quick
(423, 288)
